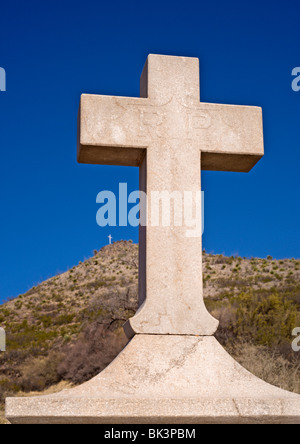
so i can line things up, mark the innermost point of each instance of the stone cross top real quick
(170, 135)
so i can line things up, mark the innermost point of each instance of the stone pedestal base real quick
(165, 380)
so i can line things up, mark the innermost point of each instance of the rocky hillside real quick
(70, 327)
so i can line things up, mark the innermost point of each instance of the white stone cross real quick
(170, 135)
(110, 239)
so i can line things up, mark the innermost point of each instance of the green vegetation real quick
(70, 327)
(262, 318)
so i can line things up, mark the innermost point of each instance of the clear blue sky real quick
(54, 51)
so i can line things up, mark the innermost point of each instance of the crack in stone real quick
(237, 407)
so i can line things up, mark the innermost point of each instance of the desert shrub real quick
(18, 305)
(268, 320)
(29, 338)
(264, 317)
(5, 313)
(233, 282)
(8, 388)
(64, 319)
(91, 353)
(41, 372)
(220, 259)
(47, 321)
(94, 285)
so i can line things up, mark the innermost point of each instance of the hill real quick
(70, 327)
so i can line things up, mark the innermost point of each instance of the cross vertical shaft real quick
(171, 286)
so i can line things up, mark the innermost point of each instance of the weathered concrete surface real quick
(165, 379)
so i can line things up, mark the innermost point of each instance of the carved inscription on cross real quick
(170, 135)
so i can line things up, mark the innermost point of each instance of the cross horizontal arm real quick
(117, 131)
(230, 137)
(110, 130)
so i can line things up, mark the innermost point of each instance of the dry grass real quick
(54, 389)
(2, 418)
(267, 365)
(63, 385)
